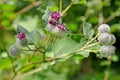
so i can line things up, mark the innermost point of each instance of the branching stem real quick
(66, 9)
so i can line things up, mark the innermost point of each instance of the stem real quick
(28, 73)
(92, 39)
(92, 50)
(66, 9)
(27, 8)
(60, 6)
(51, 59)
(107, 72)
(29, 48)
(85, 47)
(13, 67)
(108, 19)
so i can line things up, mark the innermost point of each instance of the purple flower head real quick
(55, 15)
(21, 36)
(52, 21)
(61, 27)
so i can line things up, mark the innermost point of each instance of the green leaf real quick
(79, 1)
(84, 53)
(22, 29)
(5, 63)
(34, 36)
(54, 8)
(67, 45)
(91, 49)
(87, 30)
(46, 15)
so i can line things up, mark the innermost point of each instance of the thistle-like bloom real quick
(61, 27)
(107, 51)
(13, 50)
(21, 39)
(50, 27)
(52, 21)
(104, 28)
(21, 36)
(55, 15)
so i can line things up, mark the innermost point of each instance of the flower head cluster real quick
(54, 24)
(107, 40)
(21, 40)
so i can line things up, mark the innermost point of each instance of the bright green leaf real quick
(54, 8)
(79, 1)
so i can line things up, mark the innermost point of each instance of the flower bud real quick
(21, 35)
(107, 51)
(104, 28)
(55, 15)
(104, 38)
(61, 27)
(21, 43)
(56, 30)
(52, 22)
(21, 40)
(50, 27)
(14, 50)
(113, 39)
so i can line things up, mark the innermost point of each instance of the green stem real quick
(92, 39)
(60, 6)
(107, 72)
(66, 9)
(92, 50)
(85, 47)
(29, 48)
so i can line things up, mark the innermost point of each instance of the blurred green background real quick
(28, 13)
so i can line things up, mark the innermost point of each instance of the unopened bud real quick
(61, 27)
(113, 39)
(14, 50)
(55, 15)
(21, 40)
(52, 22)
(104, 38)
(104, 28)
(21, 35)
(50, 27)
(56, 30)
(107, 51)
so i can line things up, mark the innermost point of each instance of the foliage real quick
(50, 56)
